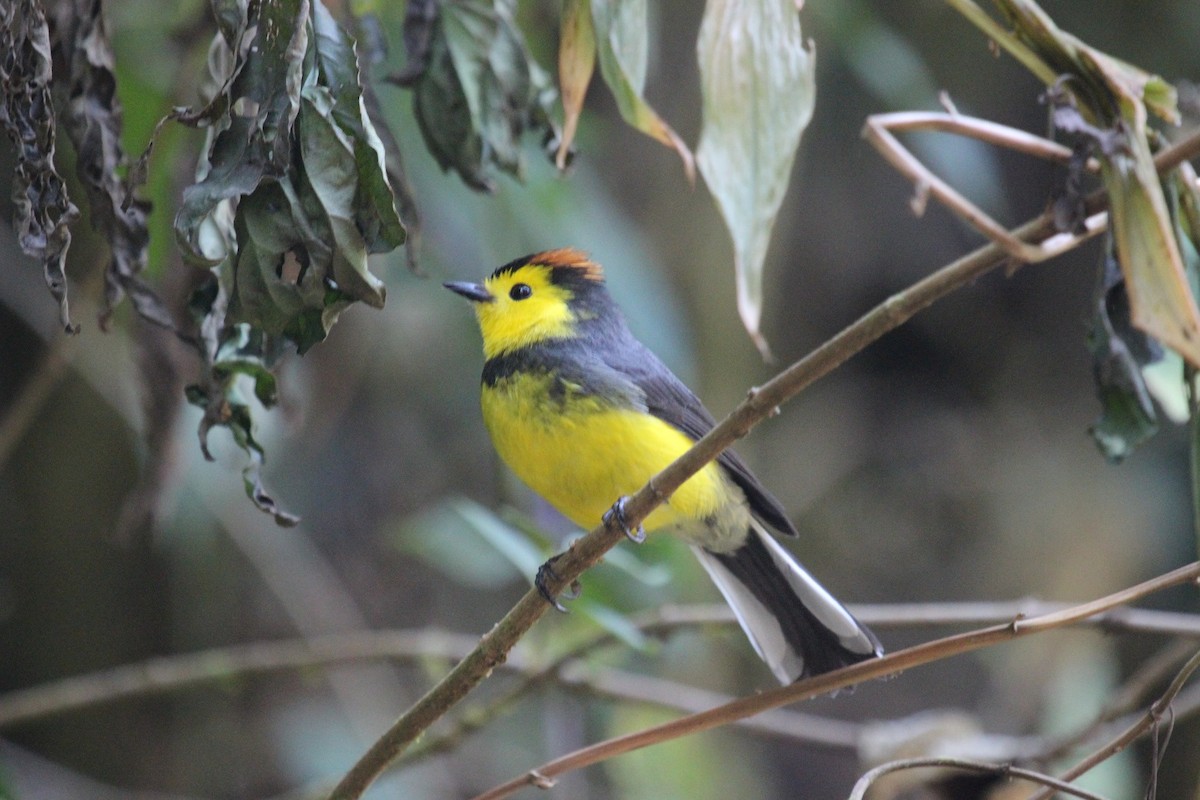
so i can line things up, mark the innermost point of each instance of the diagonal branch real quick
(1160, 708)
(761, 403)
(830, 681)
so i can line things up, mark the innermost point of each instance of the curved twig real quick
(1160, 708)
(999, 770)
(878, 130)
(828, 682)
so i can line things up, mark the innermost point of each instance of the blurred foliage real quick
(947, 462)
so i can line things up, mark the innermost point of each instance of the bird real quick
(585, 415)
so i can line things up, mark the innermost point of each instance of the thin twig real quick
(828, 682)
(878, 130)
(1001, 771)
(761, 403)
(1129, 696)
(183, 671)
(173, 673)
(1156, 712)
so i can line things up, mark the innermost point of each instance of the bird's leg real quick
(546, 572)
(616, 515)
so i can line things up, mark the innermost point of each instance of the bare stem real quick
(220, 665)
(585, 552)
(1001, 771)
(828, 682)
(1152, 717)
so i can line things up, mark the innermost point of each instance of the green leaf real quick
(476, 547)
(1163, 304)
(476, 88)
(374, 210)
(620, 38)
(293, 198)
(610, 620)
(471, 544)
(254, 140)
(1119, 352)
(758, 82)
(43, 212)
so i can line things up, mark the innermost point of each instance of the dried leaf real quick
(476, 88)
(1112, 98)
(292, 199)
(620, 33)
(44, 213)
(576, 62)
(255, 137)
(93, 122)
(373, 210)
(758, 83)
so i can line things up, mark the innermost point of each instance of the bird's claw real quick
(546, 572)
(616, 515)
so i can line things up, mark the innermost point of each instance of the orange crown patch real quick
(570, 258)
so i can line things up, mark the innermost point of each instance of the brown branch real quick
(828, 682)
(219, 665)
(172, 673)
(1127, 698)
(761, 403)
(1001, 771)
(1148, 720)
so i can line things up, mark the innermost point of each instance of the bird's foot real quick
(546, 572)
(616, 515)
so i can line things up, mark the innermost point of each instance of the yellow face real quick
(526, 307)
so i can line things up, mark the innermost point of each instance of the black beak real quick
(472, 291)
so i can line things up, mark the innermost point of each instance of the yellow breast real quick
(581, 453)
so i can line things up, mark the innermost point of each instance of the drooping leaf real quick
(576, 62)
(254, 137)
(373, 208)
(225, 405)
(304, 237)
(93, 122)
(1119, 352)
(1163, 303)
(289, 203)
(620, 31)
(476, 88)
(44, 212)
(758, 83)
(1112, 98)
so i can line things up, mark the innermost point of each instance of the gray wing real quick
(673, 402)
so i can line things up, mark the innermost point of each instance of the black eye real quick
(520, 291)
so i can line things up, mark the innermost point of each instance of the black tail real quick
(795, 625)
